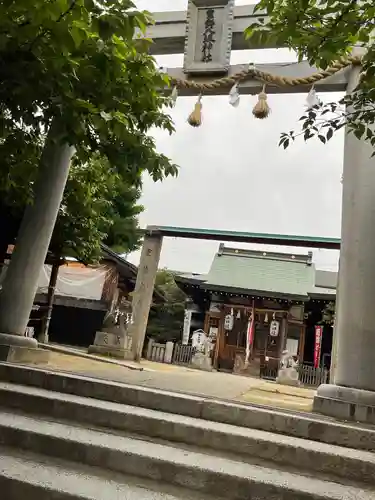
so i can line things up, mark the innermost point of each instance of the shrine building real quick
(281, 297)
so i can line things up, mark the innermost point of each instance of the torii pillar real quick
(143, 292)
(351, 396)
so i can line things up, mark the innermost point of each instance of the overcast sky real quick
(234, 176)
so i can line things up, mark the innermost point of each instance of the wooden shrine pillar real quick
(143, 292)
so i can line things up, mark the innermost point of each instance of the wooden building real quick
(84, 295)
(264, 296)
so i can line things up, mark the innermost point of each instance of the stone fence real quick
(177, 354)
(186, 355)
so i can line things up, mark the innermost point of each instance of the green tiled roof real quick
(271, 273)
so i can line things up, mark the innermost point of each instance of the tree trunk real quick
(57, 261)
(21, 281)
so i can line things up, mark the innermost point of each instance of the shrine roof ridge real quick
(261, 254)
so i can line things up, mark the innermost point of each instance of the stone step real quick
(302, 425)
(214, 474)
(301, 454)
(32, 476)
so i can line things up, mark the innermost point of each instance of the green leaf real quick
(320, 32)
(77, 62)
(322, 138)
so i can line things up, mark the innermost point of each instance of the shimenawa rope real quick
(280, 81)
(261, 109)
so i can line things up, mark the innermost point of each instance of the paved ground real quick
(177, 378)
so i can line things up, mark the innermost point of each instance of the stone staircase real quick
(65, 437)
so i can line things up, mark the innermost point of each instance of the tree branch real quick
(340, 18)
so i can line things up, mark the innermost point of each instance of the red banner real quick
(318, 345)
(250, 330)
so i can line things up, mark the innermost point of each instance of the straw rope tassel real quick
(195, 117)
(261, 109)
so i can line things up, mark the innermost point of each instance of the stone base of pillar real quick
(114, 343)
(18, 340)
(345, 403)
(288, 376)
(114, 352)
(202, 362)
(21, 349)
(24, 355)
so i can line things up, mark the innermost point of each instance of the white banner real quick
(187, 325)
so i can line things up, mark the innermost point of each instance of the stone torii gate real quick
(207, 33)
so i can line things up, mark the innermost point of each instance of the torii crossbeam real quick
(169, 31)
(173, 33)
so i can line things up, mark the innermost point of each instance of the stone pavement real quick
(187, 380)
